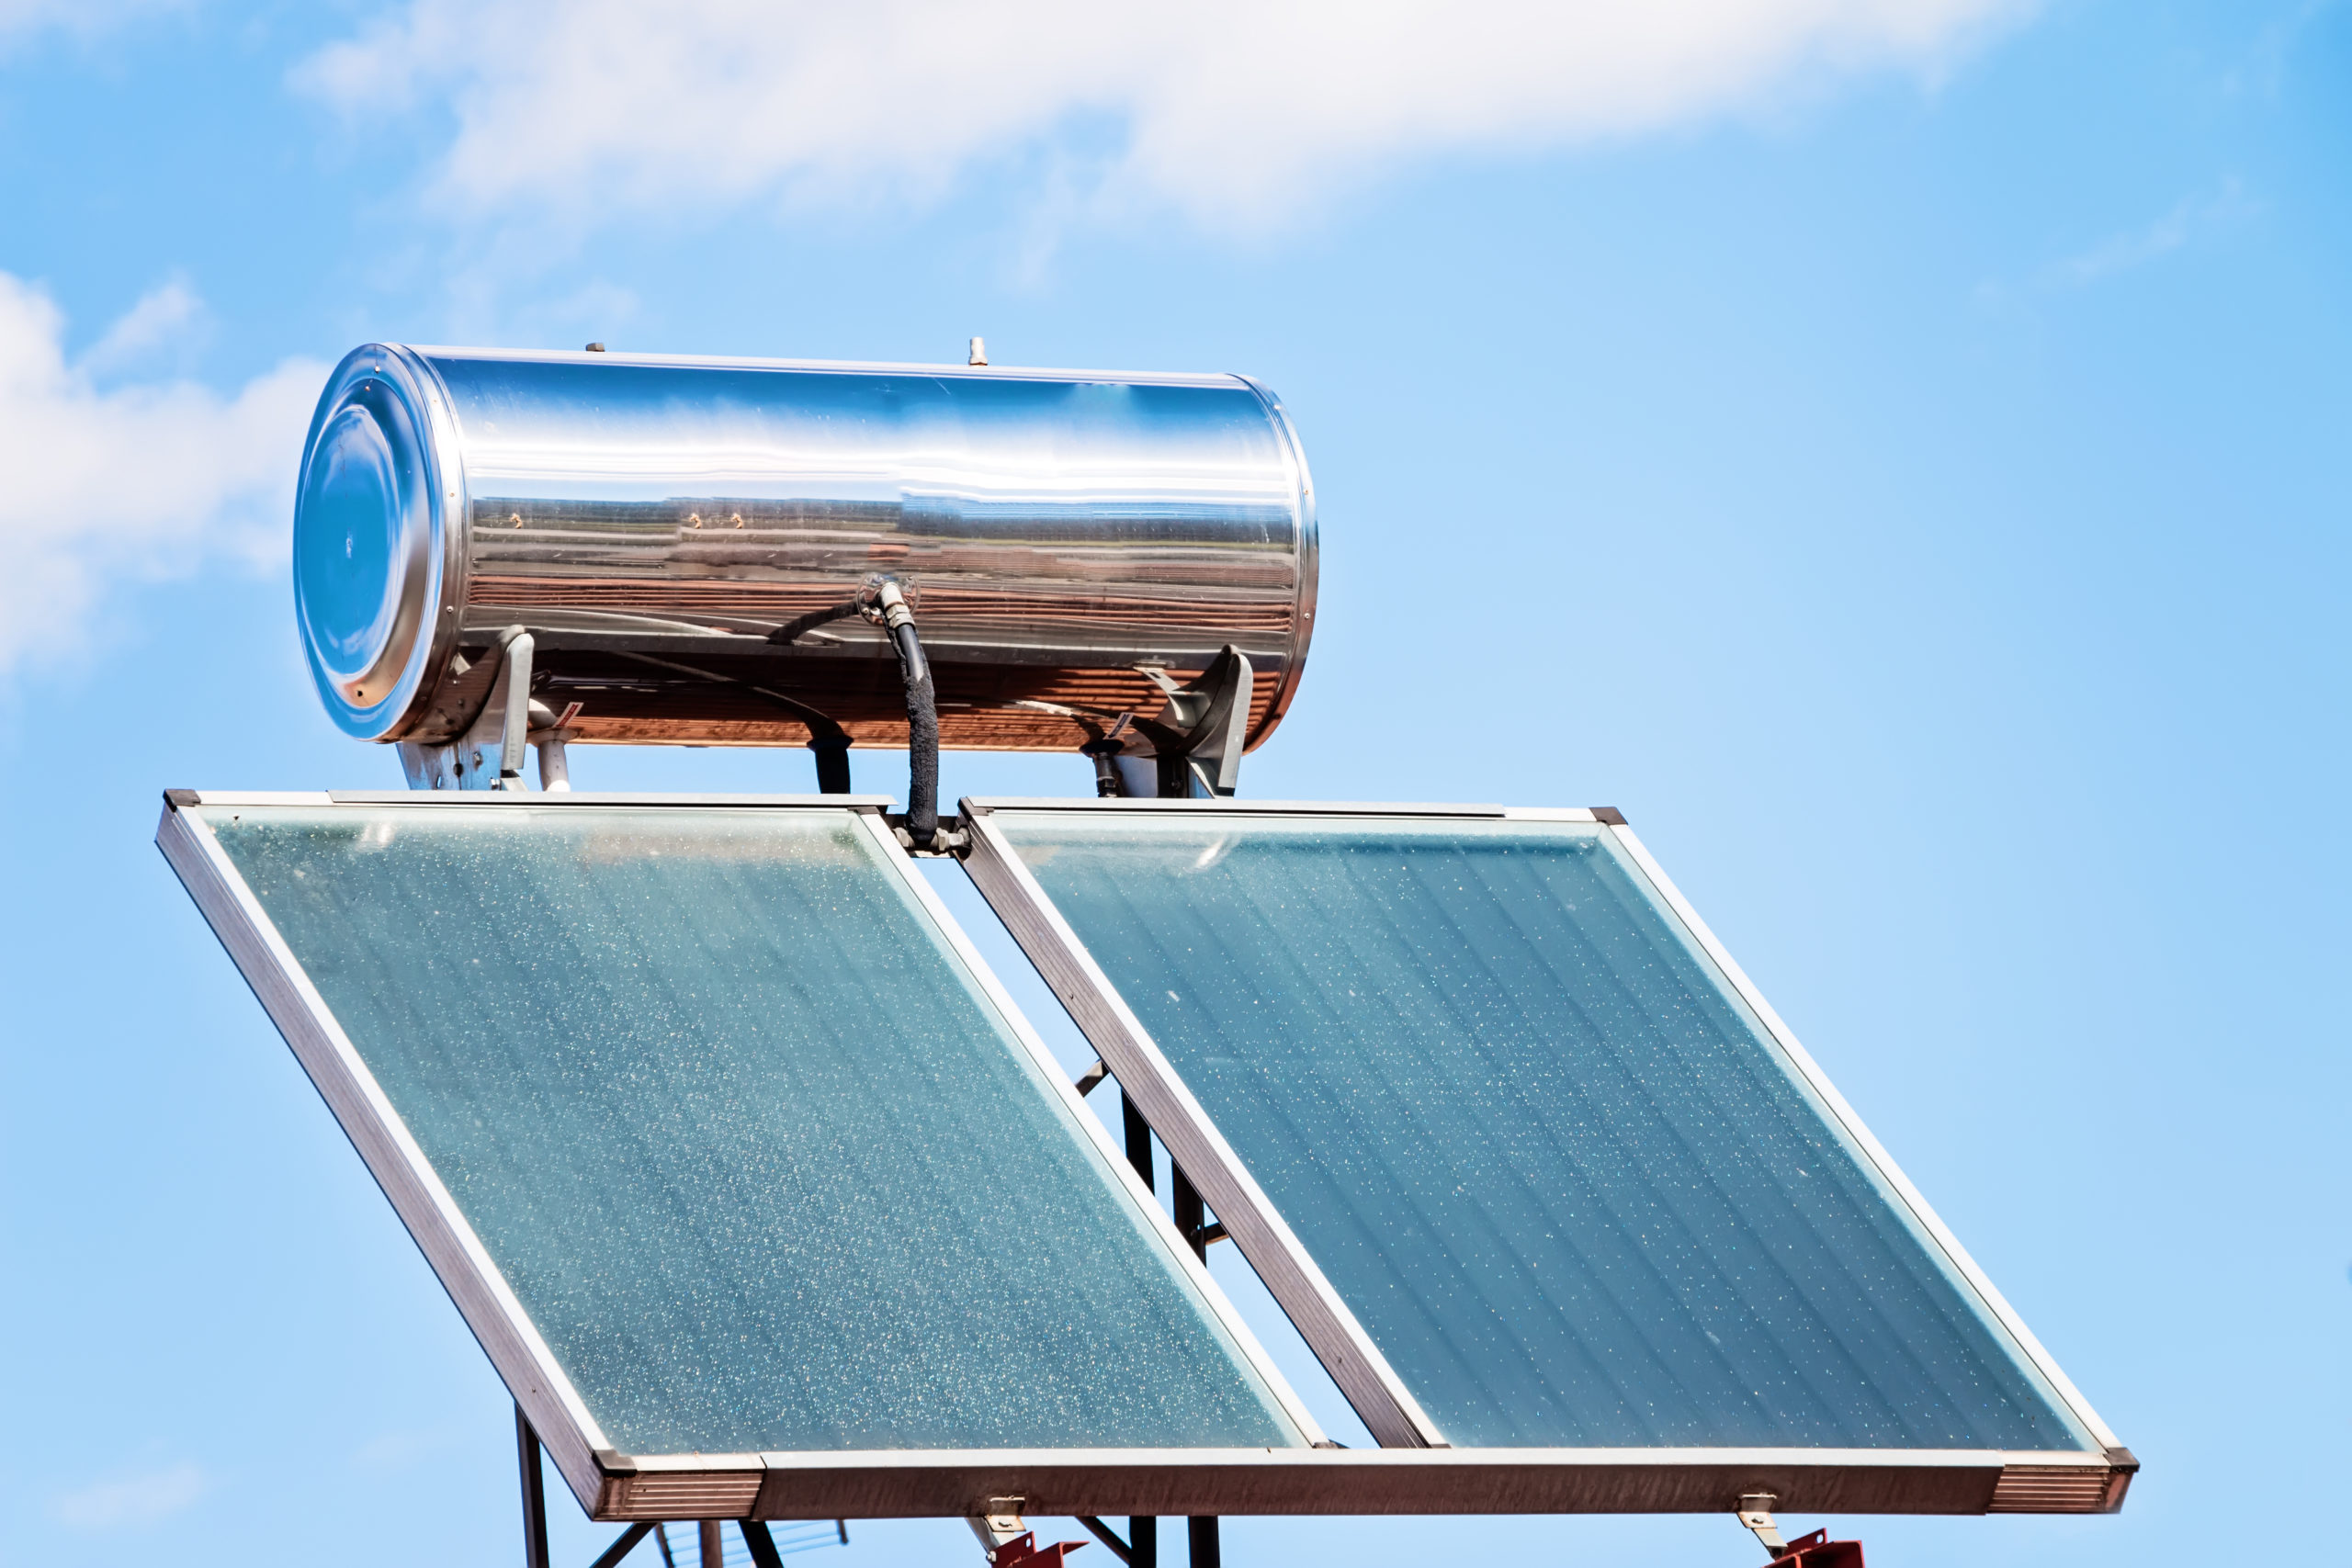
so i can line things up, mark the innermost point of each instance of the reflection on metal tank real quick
(1069, 540)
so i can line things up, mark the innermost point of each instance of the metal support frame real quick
(712, 1552)
(2093, 1480)
(1143, 1530)
(1815, 1550)
(1121, 1550)
(1141, 1550)
(1189, 750)
(627, 1542)
(1008, 1541)
(534, 1492)
(825, 1485)
(1193, 750)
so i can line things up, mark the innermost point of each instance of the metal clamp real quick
(1815, 1550)
(1756, 1512)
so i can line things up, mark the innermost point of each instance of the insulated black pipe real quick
(790, 632)
(923, 718)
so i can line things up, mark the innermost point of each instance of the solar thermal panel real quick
(722, 1140)
(1517, 1146)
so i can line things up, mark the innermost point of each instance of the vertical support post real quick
(555, 768)
(515, 722)
(1143, 1530)
(714, 1551)
(1138, 1138)
(1190, 1217)
(534, 1492)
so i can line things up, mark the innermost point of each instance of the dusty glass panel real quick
(754, 1151)
(1564, 1177)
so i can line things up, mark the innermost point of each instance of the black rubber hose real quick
(1106, 772)
(787, 634)
(922, 736)
(828, 739)
(832, 764)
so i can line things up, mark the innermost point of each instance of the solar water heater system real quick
(754, 1184)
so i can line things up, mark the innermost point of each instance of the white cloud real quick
(147, 479)
(405, 1449)
(1239, 112)
(2189, 218)
(22, 18)
(162, 316)
(132, 1499)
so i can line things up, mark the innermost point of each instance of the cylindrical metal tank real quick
(661, 523)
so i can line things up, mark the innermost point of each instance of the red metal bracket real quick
(1817, 1551)
(1022, 1551)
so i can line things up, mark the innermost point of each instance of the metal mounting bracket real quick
(1756, 1512)
(488, 753)
(1009, 1544)
(1001, 1526)
(1815, 1550)
(1191, 749)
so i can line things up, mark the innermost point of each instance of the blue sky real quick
(1895, 451)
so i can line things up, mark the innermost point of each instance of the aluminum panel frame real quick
(610, 1485)
(2058, 1481)
(1872, 1150)
(460, 1260)
(1063, 1483)
(1372, 1386)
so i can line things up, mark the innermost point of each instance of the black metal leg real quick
(1190, 1215)
(534, 1492)
(763, 1545)
(1138, 1138)
(1201, 1534)
(611, 1556)
(714, 1551)
(1143, 1530)
(1121, 1550)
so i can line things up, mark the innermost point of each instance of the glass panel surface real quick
(758, 1156)
(1557, 1168)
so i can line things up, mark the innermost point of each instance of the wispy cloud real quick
(146, 479)
(22, 19)
(2188, 220)
(403, 1449)
(1241, 114)
(166, 316)
(131, 1499)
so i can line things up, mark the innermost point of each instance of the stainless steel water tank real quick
(659, 524)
